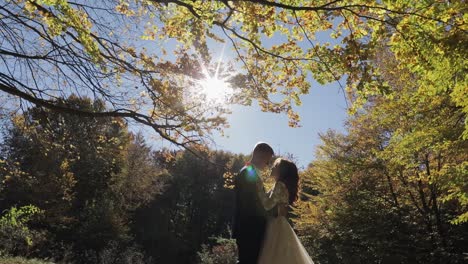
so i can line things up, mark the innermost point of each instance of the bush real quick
(224, 251)
(118, 253)
(15, 236)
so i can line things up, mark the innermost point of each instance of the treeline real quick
(394, 187)
(86, 190)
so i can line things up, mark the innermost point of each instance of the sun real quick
(215, 89)
(214, 86)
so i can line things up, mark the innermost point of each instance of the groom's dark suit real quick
(249, 216)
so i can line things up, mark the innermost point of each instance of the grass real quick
(19, 260)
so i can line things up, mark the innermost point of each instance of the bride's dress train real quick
(281, 244)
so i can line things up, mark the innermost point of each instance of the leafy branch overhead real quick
(143, 58)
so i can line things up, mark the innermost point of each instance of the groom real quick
(249, 215)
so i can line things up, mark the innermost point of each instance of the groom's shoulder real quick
(248, 172)
(242, 171)
(246, 169)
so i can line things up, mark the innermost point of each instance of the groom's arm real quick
(247, 188)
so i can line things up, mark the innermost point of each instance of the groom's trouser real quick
(249, 249)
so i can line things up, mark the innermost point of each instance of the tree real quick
(140, 179)
(194, 207)
(64, 154)
(391, 188)
(96, 49)
(77, 170)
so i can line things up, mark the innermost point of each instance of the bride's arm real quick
(278, 195)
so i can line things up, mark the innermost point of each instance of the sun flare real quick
(215, 86)
(215, 89)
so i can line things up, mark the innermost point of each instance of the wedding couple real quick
(262, 232)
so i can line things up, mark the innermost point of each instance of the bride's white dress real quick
(281, 245)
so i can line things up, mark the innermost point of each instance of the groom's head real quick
(262, 155)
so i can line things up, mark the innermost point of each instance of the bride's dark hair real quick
(289, 175)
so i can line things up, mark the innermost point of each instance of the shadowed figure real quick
(250, 217)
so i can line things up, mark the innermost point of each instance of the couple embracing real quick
(262, 232)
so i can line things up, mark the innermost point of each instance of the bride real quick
(281, 245)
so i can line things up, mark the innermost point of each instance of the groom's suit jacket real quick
(249, 214)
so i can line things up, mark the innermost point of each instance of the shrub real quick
(120, 253)
(224, 251)
(15, 236)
